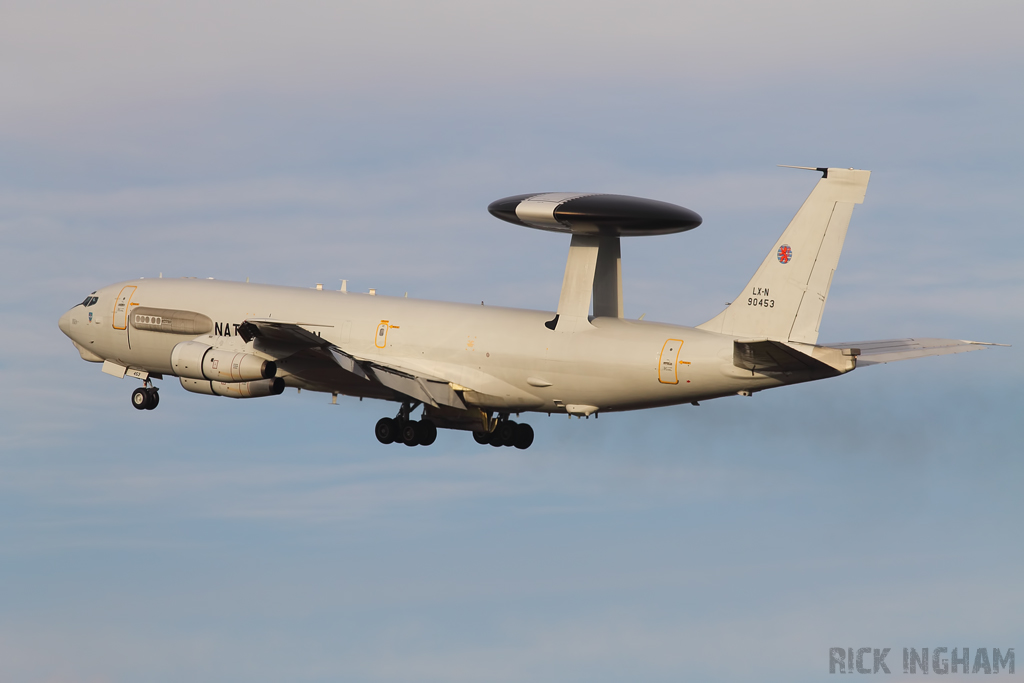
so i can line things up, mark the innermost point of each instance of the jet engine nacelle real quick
(263, 387)
(196, 360)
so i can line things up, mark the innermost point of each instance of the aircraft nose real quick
(65, 324)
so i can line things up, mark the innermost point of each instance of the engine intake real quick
(263, 387)
(196, 360)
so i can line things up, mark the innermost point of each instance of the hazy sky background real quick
(296, 143)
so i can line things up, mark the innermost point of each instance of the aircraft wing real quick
(888, 350)
(281, 339)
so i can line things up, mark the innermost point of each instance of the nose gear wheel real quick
(145, 398)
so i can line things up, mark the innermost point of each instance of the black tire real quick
(496, 439)
(428, 432)
(140, 399)
(386, 430)
(524, 436)
(154, 399)
(410, 434)
(506, 432)
(482, 438)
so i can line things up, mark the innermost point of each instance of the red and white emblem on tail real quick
(785, 253)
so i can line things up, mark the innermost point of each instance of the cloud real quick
(68, 63)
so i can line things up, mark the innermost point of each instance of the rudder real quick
(785, 299)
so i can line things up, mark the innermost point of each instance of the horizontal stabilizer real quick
(767, 356)
(888, 350)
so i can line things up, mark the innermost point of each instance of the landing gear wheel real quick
(496, 440)
(386, 430)
(154, 398)
(140, 398)
(427, 431)
(410, 434)
(524, 436)
(482, 438)
(506, 431)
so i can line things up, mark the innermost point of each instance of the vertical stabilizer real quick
(786, 297)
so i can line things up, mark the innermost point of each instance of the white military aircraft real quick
(473, 367)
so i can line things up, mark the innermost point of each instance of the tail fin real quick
(785, 298)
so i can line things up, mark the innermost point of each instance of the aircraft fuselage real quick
(507, 356)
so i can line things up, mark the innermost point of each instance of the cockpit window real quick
(90, 300)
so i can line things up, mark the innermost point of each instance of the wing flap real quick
(282, 338)
(889, 350)
(347, 362)
(431, 392)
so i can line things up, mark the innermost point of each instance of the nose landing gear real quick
(146, 397)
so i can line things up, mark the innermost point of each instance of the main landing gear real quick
(507, 433)
(403, 429)
(146, 398)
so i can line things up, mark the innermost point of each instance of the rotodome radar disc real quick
(595, 214)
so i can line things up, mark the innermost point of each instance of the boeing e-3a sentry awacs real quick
(474, 367)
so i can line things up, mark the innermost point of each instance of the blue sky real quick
(274, 539)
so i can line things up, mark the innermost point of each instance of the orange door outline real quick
(668, 361)
(121, 305)
(381, 338)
